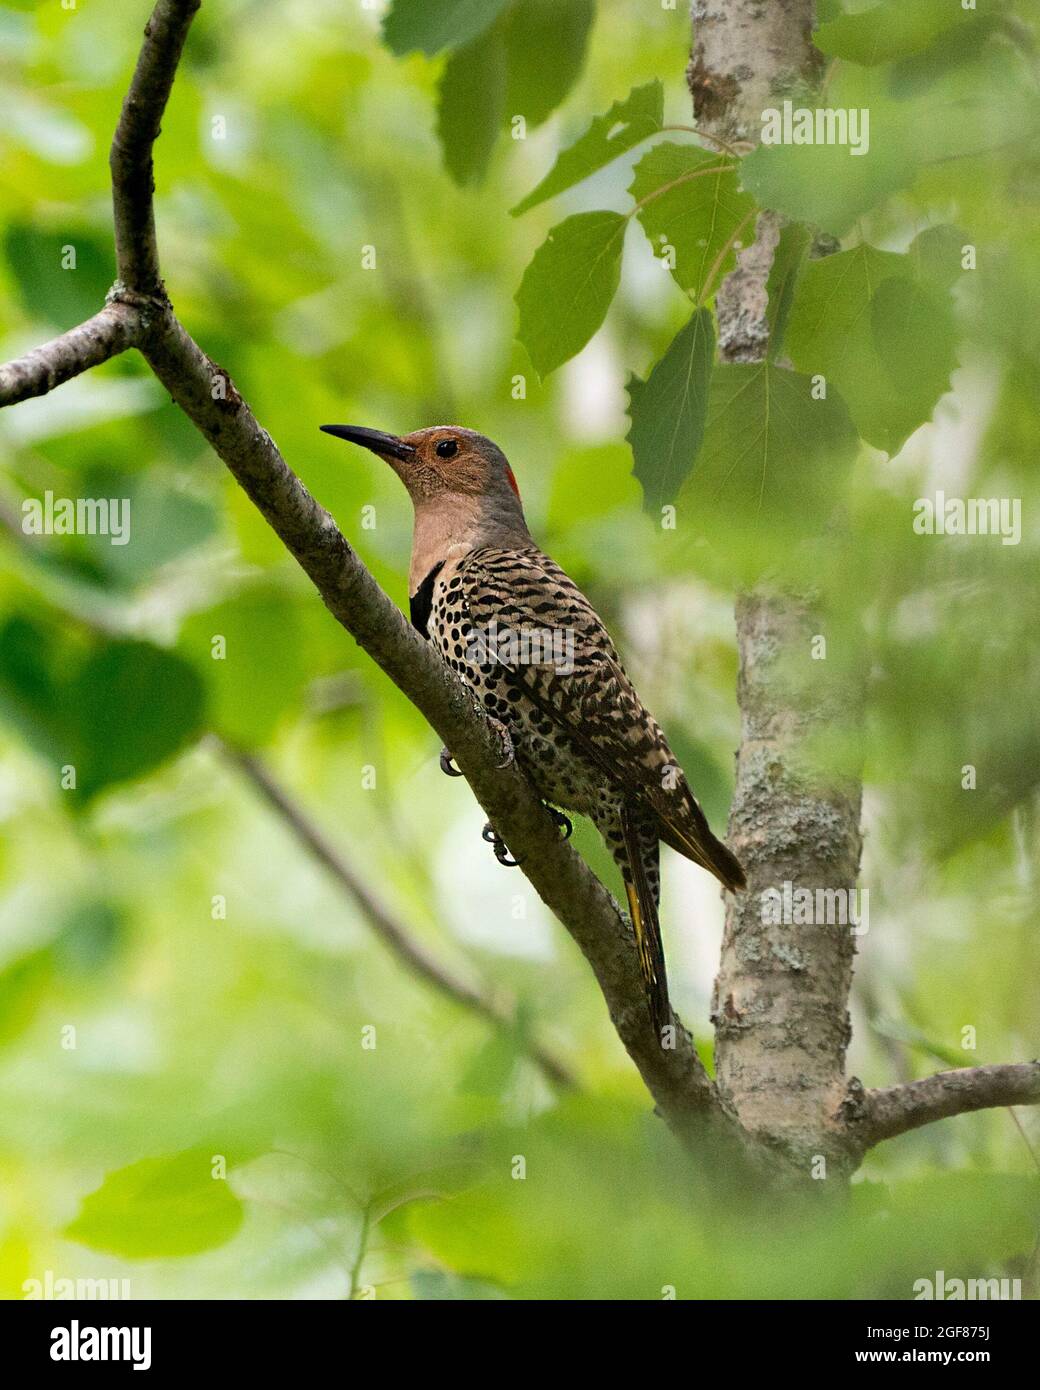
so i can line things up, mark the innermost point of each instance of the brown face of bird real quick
(440, 461)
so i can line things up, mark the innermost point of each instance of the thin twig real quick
(893, 1110)
(389, 928)
(130, 159)
(111, 331)
(1025, 1138)
(362, 1249)
(726, 145)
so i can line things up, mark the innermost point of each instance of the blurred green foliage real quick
(178, 980)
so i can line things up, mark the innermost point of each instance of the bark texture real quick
(395, 934)
(747, 55)
(130, 158)
(781, 996)
(111, 331)
(882, 1114)
(780, 1008)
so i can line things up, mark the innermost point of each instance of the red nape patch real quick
(511, 480)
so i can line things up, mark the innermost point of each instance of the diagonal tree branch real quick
(392, 932)
(882, 1114)
(676, 1078)
(685, 1095)
(111, 331)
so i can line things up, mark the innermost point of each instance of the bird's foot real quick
(492, 837)
(447, 765)
(505, 738)
(562, 822)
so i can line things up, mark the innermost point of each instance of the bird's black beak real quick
(375, 440)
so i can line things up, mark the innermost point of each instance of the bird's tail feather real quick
(642, 905)
(697, 842)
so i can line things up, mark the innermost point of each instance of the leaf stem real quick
(362, 1250)
(674, 183)
(723, 253)
(734, 150)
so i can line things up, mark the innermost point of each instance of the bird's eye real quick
(447, 448)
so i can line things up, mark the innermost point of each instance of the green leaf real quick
(137, 705)
(48, 290)
(913, 335)
(566, 290)
(431, 25)
(545, 41)
(788, 260)
(695, 213)
(824, 185)
(478, 1234)
(114, 713)
(626, 123)
(936, 254)
(90, 936)
(524, 65)
(890, 362)
(669, 410)
(159, 1207)
(471, 102)
(770, 450)
(827, 185)
(31, 675)
(25, 984)
(166, 522)
(958, 53)
(890, 30)
(260, 675)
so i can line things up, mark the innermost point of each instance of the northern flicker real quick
(537, 656)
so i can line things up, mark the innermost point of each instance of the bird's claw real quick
(562, 822)
(492, 837)
(506, 740)
(447, 765)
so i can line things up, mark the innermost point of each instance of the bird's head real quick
(440, 462)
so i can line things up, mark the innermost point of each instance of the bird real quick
(535, 653)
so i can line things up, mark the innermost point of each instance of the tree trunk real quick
(781, 996)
